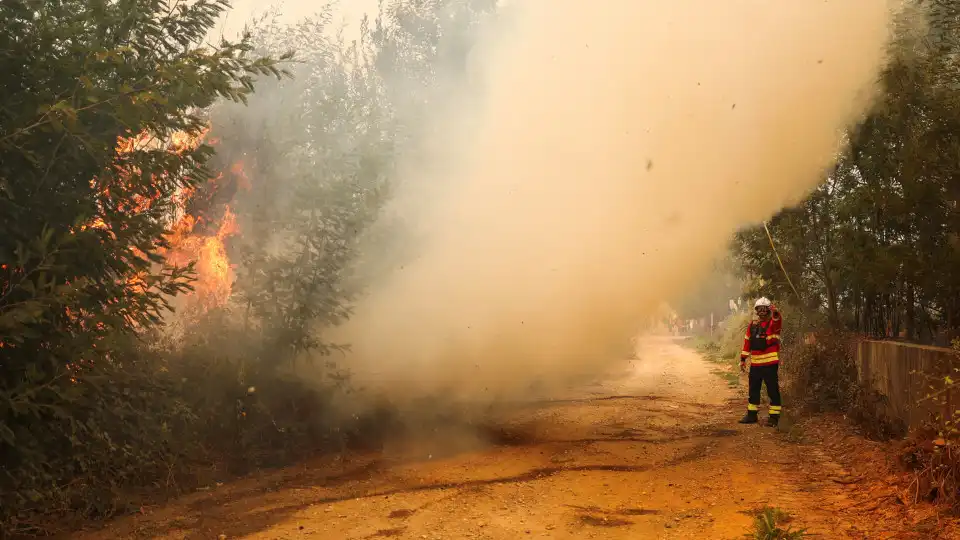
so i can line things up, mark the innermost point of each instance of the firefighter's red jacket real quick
(762, 341)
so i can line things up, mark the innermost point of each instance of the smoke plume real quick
(602, 159)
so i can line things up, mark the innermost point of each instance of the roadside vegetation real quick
(774, 524)
(874, 252)
(146, 348)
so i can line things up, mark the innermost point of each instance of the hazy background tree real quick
(712, 296)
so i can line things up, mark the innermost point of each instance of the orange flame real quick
(215, 273)
(181, 141)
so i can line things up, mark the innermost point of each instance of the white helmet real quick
(762, 302)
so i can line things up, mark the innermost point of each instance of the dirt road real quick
(653, 452)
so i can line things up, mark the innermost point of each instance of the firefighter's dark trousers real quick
(760, 375)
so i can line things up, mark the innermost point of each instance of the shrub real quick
(822, 376)
(732, 331)
(91, 178)
(932, 452)
(97, 413)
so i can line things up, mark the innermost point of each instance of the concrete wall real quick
(904, 373)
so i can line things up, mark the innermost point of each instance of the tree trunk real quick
(833, 313)
(911, 313)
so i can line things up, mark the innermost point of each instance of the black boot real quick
(773, 420)
(749, 418)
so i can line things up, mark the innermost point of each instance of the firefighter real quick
(762, 345)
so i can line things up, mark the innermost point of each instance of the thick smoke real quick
(611, 149)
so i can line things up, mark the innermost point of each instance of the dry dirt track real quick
(654, 452)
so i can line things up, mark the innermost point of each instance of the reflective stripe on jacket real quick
(762, 341)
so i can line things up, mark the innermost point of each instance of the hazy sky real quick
(350, 11)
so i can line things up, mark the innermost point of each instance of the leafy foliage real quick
(97, 401)
(822, 376)
(876, 248)
(320, 167)
(81, 271)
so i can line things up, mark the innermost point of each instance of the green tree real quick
(876, 248)
(319, 154)
(101, 136)
(323, 161)
(84, 228)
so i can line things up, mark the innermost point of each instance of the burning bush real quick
(114, 214)
(99, 142)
